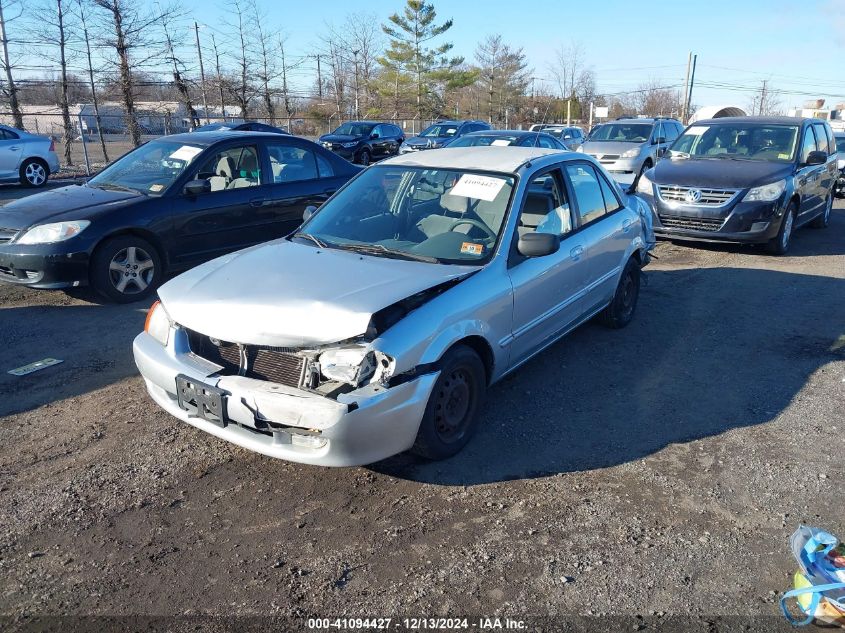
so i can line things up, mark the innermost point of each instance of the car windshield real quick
(434, 215)
(354, 129)
(150, 169)
(440, 130)
(741, 141)
(471, 140)
(840, 144)
(216, 127)
(622, 132)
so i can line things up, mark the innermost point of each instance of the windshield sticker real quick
(478, 187)
(783, 156)
(697, 130)
(451, 130)
(470, 248)
(155, 188)
(186, 153)
(501, 141)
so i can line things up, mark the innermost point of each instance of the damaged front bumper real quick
(361, 426)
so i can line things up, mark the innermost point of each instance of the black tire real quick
(823, 220)
(364, 157)
(34, 173)
(452, 413)
(126, 268)
(779, 245)
(620, 310)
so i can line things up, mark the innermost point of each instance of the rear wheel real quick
(34, 173)
(125, 269)
(779, 245)
(451, 415)
(620, 311)
(823, 220)
(364, 157)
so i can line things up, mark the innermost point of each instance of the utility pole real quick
(591, 117)
(219, 77)
(568, 111)
(691, 82)
(202, 73)
(355, 58)
(686, 91)
(763, 97)
(13, 91)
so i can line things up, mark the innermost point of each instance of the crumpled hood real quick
(67, 203)
(285, 294)
(608, 147)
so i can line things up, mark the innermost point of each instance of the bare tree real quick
(10, 89)
(83, 21)
(765, 101)
(504, 74)
(219, 77)
(241, 89)
(654, 98)
(178, 76)
(266, 57)
(567, 67)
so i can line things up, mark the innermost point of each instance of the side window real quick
(670, 131)
(545, 208)
(611, 202)
(291, 164)
(232, 168)
(324, 167)
(821, 139)
(808, 144)
(378, 132)
(546, 142)
(588, 192)
(396, 130)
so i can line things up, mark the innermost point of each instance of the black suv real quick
(744, 179)
(363, 141)
(442, 133)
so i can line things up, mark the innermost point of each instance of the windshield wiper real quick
(113, 187)
(313, 238)
(381, 249)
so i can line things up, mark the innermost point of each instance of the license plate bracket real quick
(201, 400)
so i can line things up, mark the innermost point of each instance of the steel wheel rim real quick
(787, 230)
(35, 174)
(131, 270)
(452, 406)
(627, 296)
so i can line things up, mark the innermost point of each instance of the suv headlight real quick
(158, 323)
(350, 365)
(631, 153)
(55, 232)
(645, 186)
(765, 193)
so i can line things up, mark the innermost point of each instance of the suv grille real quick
(6, 235)
(276, 364)
(690, 224)
(709, 197)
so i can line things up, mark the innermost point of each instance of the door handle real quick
(257, 202)
(576, 252)
(626, 225)
(14, 149)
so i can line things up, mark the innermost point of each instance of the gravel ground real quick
(655, 471)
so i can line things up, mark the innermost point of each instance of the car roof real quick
(210, 137)
(762, 120)
(491, 158)
(502, 133)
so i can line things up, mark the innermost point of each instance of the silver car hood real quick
(608, 147)
(285, 294)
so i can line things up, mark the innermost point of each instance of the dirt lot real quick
(655, 471)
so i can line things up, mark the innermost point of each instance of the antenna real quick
(539, 129)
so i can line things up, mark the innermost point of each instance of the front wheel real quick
(451, 415)
(364, 158)
(125, 269)
(34, 173)
(620, 311)
(779, 245)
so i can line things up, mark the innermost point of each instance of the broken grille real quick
(690, 224)
(276, 364)
(708, 197)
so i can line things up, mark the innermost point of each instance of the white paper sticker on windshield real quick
(478, 187)
(697, 130)
(186, 153)
(501, 141)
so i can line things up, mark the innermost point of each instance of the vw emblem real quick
(693, 196)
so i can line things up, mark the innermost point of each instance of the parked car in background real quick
(744, 179)
(165, 206)
(377, 328)
(572, 137)
(364, 141)
(515, 138)
(242, 126)
(442, 134)
(26, 158)
(839, 138)
(628, 147)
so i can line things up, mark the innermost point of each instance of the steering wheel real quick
(475, 223)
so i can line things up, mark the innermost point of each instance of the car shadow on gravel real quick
(709, 350)
(93, 341)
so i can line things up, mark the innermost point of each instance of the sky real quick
(797, 45)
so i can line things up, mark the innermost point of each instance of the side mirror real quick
(374, 135)
(659, 140)
(817, 158)
(538, 244)
(309, 211)
(196, 187)
(662, 151)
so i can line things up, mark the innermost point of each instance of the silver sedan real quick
(26, 158)
(379, 326)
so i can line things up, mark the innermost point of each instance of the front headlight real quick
(350, 365)
(158, 323)
(645, 186)
(765, 193)
(350, 144)
(631, 153)
(50, 233)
